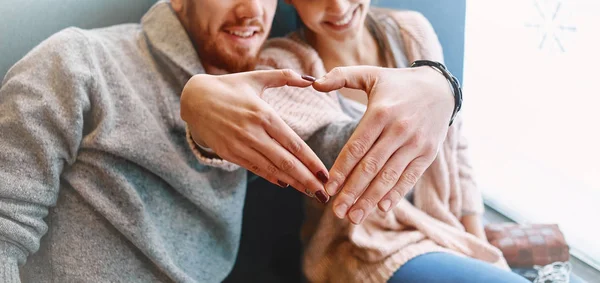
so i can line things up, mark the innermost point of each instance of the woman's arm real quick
(473, 225)
(472, 201)
(388, 149)
(396, 140)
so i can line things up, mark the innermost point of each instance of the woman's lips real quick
(344, 22)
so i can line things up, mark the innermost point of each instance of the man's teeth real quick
(345, 20)
(243, 34)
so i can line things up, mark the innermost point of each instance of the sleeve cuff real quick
(472, 201)
(9, 270)
(470, 212)
(204, 149)
(9, 263)
(199, 152)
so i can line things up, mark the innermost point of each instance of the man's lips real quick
(243, 31)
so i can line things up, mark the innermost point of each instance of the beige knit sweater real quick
(338, 251)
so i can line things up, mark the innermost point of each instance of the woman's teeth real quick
(244, 34)
(345, 20)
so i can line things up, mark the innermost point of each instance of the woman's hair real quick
(379, 33)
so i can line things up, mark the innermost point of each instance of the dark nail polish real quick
(309, 78)
(322, 177)
(282, 184)
(322, 196)
(309, 193)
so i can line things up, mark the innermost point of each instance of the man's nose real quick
(337, 7)
(249, 9)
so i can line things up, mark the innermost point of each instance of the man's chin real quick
(232, 63)
(220, 52)
(240, 63)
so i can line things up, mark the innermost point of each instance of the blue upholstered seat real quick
(270, 249)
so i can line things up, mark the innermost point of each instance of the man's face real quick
(227, 34)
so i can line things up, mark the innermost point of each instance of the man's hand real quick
(398, 137)
(227, 114)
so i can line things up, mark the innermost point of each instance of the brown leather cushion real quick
(529, 245)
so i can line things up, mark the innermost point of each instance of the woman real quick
(435, 234)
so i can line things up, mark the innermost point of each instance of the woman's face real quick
(337, 19)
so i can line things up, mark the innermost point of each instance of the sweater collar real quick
(166, 35)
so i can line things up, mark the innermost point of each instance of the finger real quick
(262, 167)
(378, 188)
(366, 133)
(407, 181)
(286, 137)
(262, 80)
(355, 77)
(366, 175)
(287, 163)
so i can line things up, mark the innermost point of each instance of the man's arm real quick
(41, 121)
(226, 114)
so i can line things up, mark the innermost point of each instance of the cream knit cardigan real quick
(338, 251)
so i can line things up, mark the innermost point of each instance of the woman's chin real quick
(342, 37)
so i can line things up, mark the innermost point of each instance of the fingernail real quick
(340, 210)
(282, 184)
(309, 193)
(356, 216)
(320, 80)
(309, 78)
(322, 196)
(385, 205)
(331, 188)
(322, 177)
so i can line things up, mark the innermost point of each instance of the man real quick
(95, 157)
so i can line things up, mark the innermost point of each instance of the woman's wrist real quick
(436, 87)
(473, 225)
(455, 88)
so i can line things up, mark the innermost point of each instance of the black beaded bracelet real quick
(457, 91)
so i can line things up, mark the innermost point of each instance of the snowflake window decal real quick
(549, 24)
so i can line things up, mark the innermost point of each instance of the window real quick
(532, 112)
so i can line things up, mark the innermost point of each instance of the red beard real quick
(233, 61)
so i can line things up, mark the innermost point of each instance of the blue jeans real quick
(449, 268)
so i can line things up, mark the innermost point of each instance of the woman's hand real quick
(226, 113)
(474, 226)
(406, 121)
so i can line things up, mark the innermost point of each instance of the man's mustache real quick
(256, 23)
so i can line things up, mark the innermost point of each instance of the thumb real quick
(355, 77)
(262, 80)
